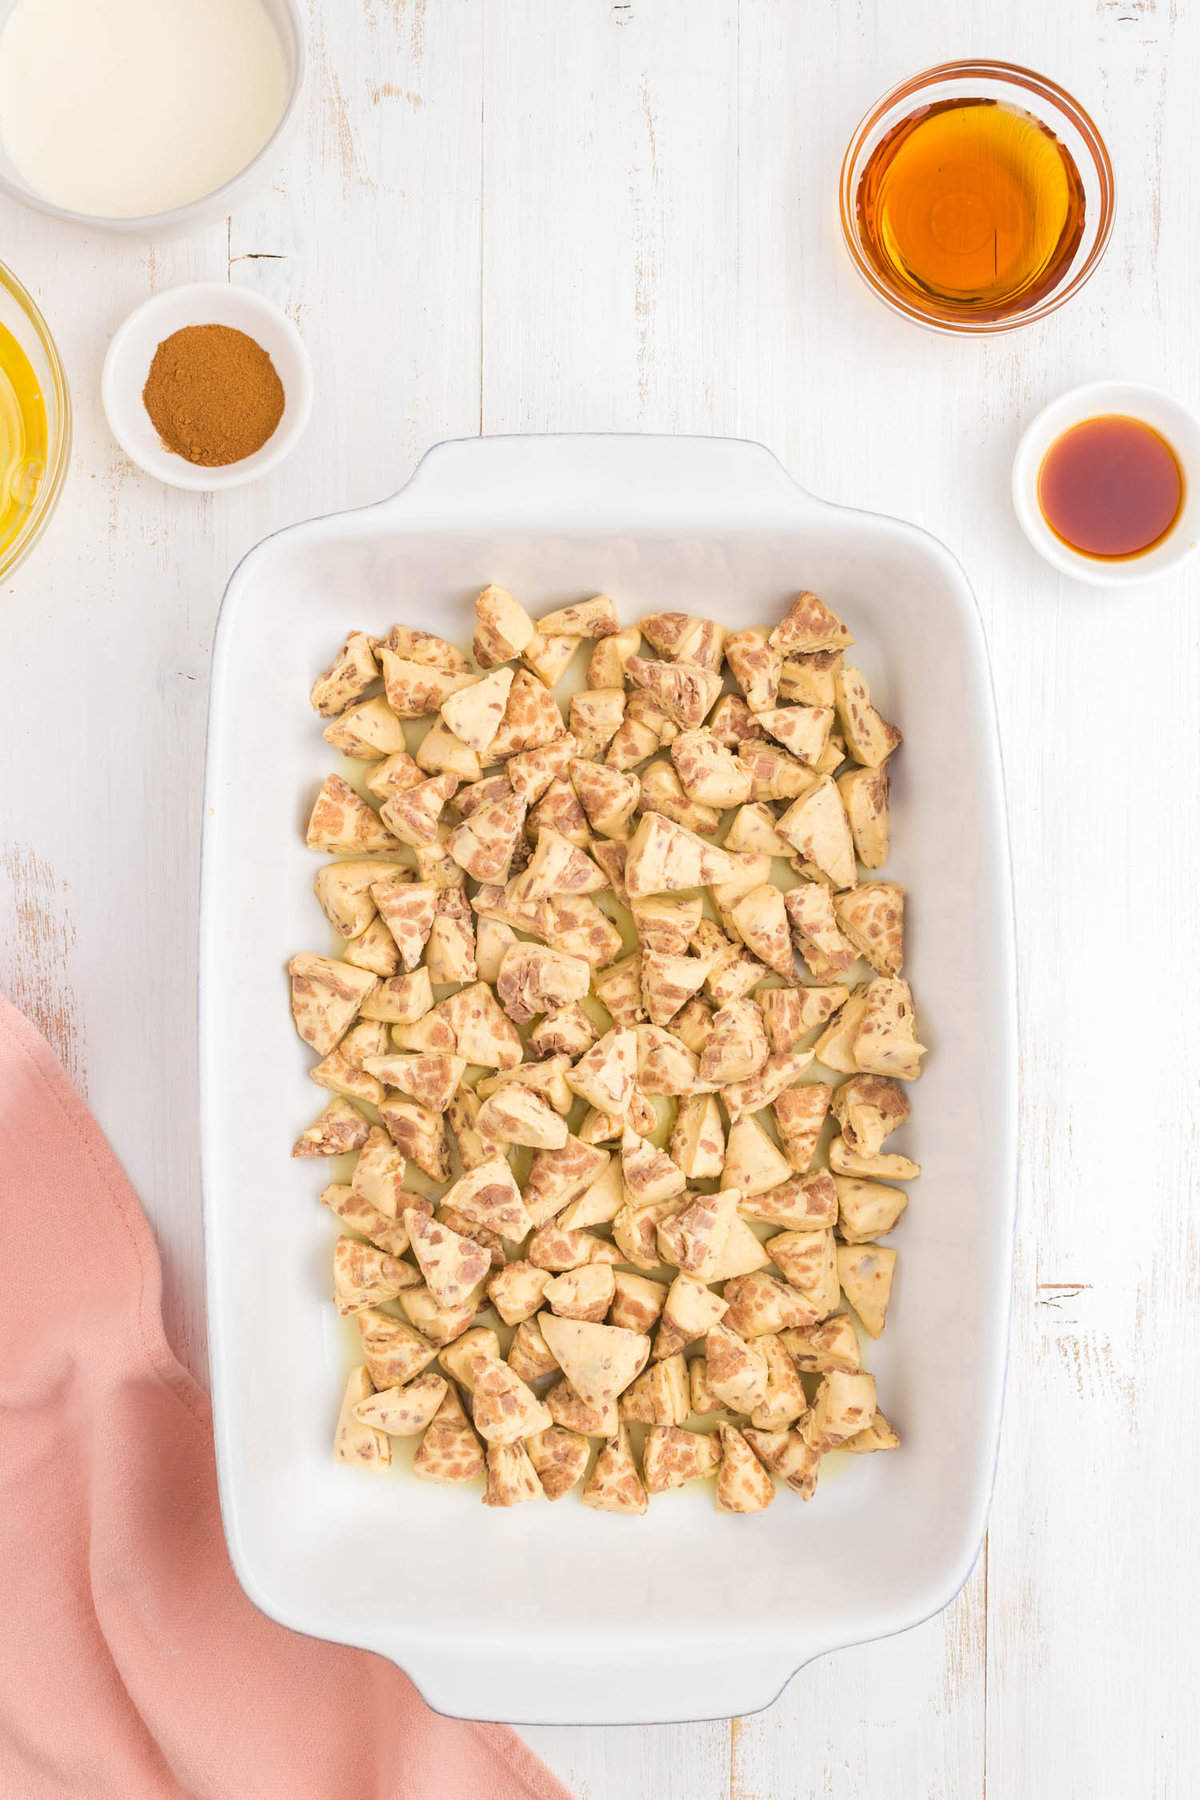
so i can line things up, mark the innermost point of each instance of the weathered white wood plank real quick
(639, 1762)
(371, 240)
(1093, 1643)
(104, 680)
(878, 1720)
(610, 208)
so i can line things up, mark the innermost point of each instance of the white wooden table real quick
(529, 217)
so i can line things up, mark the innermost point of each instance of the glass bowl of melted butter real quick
(35, 423)
(976, 197)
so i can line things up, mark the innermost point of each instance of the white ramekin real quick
(131, 352)
(1181, 430)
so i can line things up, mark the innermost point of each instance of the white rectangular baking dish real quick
(556, 1613)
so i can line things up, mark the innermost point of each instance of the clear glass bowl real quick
(20, 314)
(1013, 86)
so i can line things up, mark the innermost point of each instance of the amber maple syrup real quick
(1111, 487)
(971, 207)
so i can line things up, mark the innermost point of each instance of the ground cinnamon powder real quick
(213, 394)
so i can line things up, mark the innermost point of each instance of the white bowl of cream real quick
(139, 114)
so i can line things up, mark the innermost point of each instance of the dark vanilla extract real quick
(1110, 487)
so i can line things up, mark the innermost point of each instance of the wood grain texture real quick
(528, 217)
(38, 940)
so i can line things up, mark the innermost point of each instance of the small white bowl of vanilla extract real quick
(1106, 483)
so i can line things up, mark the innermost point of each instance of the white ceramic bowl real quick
(205, 303)
(555, 1613)
(285, 16)
(1181, 430)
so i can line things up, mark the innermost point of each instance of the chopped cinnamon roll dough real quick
(610, 1004)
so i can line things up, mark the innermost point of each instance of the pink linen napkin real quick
(132, 1665)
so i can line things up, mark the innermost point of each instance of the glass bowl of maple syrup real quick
(976, 197)
(1106, 483)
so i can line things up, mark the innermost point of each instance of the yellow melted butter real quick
(23, 437)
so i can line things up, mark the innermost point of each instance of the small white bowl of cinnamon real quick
(207, 386)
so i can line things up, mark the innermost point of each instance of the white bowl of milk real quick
(140, 114)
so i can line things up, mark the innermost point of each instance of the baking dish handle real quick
(633, 1684)
(632, 482)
